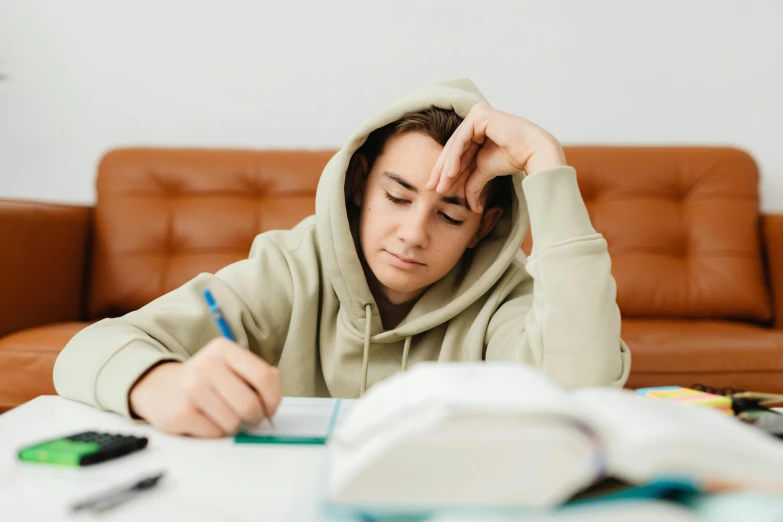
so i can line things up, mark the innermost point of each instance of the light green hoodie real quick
(302, 303)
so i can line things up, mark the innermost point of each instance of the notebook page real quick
(298, 417)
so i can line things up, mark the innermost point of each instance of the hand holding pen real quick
(212, 394)
(225, 329)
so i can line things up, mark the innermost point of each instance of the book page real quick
(468, 434)
(430, 390)
(646, 438)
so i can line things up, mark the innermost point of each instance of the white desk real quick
(210, 480)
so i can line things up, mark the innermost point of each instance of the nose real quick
(413, 228)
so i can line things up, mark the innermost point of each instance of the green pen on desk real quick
(222, 324)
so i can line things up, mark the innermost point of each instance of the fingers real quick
(236, 393)
(269, 389)
(459, 152)
(442, 178)
(466, 160)
(208, 402)
(474, 186)
(443, 164)
(436, 170)
(264, 378)
(199, 425)
(473, 189)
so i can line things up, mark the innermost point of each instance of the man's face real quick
(410, 236)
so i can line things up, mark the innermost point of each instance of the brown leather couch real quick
(699, 270)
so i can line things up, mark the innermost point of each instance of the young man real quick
(413, 255)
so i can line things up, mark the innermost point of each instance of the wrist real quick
(548, 155)
(140, 389)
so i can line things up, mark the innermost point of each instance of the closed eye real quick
(396, 201)
(448, 219)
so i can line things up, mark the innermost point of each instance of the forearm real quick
(574, 322)
(570, 325)
(101, 364)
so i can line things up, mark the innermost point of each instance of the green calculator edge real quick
(59, 451)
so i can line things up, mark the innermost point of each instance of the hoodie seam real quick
(279, 244)
(503, 288)
(102, 365)
(498, 301)
(302, 238)
(564, 243)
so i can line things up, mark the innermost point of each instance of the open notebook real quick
(500, 435)
(299, 420)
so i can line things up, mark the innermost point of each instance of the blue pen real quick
(220, 319)
(217, 314)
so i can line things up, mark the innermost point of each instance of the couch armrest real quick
(773, 242)
(43, 259)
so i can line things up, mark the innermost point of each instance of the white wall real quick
(90, 75)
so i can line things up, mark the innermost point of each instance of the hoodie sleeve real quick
(103, 361)
(569, 326)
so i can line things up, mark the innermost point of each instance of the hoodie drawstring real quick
(366, 357)
(405, 353)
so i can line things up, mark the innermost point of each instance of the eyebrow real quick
(452, 200)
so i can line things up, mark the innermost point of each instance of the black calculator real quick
(82, 449)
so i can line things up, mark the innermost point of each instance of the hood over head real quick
(475, 274)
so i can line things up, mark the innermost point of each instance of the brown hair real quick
(438, 124)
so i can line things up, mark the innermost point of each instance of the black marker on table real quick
(114, 497)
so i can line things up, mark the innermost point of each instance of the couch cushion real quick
(682, 223)
(165, 215)
(44, 252)
(27, 361)
(714, 353)
(683, 228)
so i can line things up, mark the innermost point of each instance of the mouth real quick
(406, 262)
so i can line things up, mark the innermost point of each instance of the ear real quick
(357, 175)
(488, 221)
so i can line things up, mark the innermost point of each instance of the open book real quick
(504, 435)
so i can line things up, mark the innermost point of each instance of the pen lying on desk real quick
(220, 319)
(114, 497)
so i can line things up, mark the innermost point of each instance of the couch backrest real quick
(683, 228)
(165, 215)
(682, 223)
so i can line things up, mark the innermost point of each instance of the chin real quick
(399, 283)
